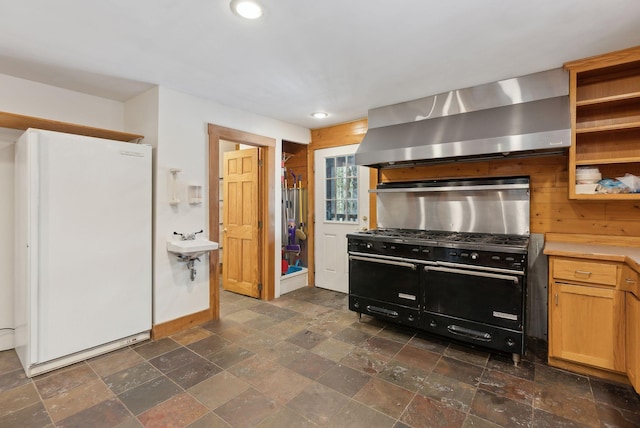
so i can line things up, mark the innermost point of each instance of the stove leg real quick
(359, 316)
(516, 359)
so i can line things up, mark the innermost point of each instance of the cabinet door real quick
(633, 340)
(586, 325)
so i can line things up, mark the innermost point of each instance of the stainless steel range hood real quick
(523, 116)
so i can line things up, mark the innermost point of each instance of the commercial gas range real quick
(466, 285)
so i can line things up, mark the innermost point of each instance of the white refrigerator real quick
(83, 252)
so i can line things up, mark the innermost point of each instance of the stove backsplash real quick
(471, 205)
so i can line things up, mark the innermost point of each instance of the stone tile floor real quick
(304, 360)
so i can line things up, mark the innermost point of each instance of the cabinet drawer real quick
(629, 281)
(583, 271)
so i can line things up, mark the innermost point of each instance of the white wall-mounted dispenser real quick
(195, 194)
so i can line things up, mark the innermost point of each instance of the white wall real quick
(35, 99)
(183, 143)
(175, 125)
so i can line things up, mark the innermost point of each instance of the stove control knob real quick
(510, 342)
(474, 256)
(433, 324)
(369, 245)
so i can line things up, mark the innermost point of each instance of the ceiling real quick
(340, 56)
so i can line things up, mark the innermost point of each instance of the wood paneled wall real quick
(551, 209)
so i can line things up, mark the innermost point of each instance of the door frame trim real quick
(266, 209)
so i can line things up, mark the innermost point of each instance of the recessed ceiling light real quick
(248, 9)
(319, 114)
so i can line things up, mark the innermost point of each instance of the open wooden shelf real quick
(606, 128)
(18, 121)
(605, 102)
(609, 99)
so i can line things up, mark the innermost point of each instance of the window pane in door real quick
(341, 184)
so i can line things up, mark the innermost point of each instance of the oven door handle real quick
(512, 278)
(384, 262)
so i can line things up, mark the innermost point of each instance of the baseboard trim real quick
(168, 328)
(588, 370)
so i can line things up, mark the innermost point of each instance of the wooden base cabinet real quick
(585, 325)
(586, 314)
(633, 340)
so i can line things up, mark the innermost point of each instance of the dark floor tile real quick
(473, 421)
(407, 377)
(284, 352)
(525, 369)
(179, 411)
(154, 348)
(366, 361)
(174, 359)
(247, 409)
(425, 412)
(318, 403)
(64, 380)
(18, 398)
(306, 339)
(262, 322)
(556, 399)
(106, 414)
(280, 314)
(13, 379)
(34, 416)
(218, 389)
(430, 343)
(209, 345)
(570, 384)
(286, 418)
(311, 365)
(449, 392)
(615, 417)
(194, 373)
(467, 354)
(352, 336)
(210, 420)
(380, 345)
(75, 400)
(384, 397)
(542, 419)
(344, 379)
(459, 370)
(616, 395)
(501, 410)
(416, 357)
(258, 342)
(508, 386)
(229, 355)
(9, 361)
(149, 394)
(254, 370)
(114, 362)
(132, 377)
(396, 332)
(369, 325)
(355, 414)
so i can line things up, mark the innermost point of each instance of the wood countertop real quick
(624, 249)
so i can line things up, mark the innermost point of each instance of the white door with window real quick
(341, 207)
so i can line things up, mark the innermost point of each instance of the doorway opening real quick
(265, 209)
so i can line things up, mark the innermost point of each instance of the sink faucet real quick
(188, 236)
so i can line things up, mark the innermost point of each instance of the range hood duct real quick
(523, 116)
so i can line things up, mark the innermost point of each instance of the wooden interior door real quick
(241, 243)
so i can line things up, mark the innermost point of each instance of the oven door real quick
(485, 296)
(385, 286)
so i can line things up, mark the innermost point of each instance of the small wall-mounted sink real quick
(191, 248)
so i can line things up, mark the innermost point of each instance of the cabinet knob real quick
(630, 281)
(583, 272)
